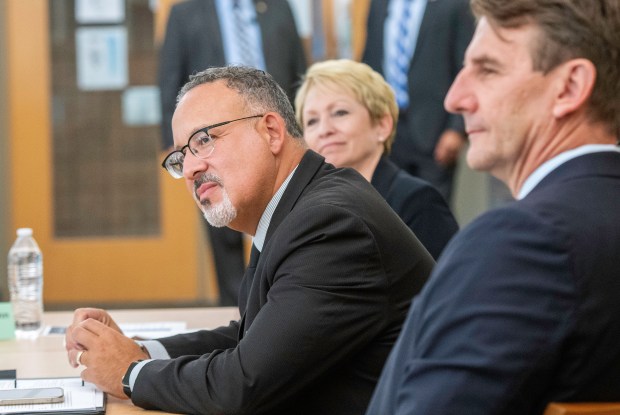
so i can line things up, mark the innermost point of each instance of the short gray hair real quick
(258, 89)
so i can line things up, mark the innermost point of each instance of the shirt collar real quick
(547, 167)
(265, 220)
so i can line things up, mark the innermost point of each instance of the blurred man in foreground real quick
(522, 308)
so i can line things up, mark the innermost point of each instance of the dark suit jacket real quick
(417, 203)
(445, 32)
(193, 42)
(522, 308)
(321, 311)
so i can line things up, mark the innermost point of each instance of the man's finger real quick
(94, 326)
(86, 334)
(73, 357)
(78, 358)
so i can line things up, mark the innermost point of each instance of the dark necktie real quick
(254, 254)
(246, 286)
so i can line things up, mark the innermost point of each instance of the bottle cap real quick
(24, 232)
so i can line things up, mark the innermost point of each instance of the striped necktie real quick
(400, 62)
(244, 45)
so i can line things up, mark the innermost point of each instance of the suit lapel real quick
(425, 27)
(213, 34)
(383, 177)
(383, 9)
(307, 169)
(309, 165)
(601, 164)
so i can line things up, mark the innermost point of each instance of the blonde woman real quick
(347, 112)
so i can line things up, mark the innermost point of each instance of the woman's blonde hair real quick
(366, 85)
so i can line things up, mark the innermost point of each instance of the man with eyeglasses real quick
(205, 33)
(331, 274)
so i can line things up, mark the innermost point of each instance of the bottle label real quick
(7, 322)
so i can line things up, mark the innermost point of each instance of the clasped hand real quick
(100, 346)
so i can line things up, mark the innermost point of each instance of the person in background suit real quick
(522, 308)
(418, 46)
(348, 113)
(204, 33)
(330, 280)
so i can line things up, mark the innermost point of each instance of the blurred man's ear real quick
(576, 80)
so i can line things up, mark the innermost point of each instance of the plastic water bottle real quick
(25, 263)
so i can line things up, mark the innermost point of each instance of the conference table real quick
(44, 355)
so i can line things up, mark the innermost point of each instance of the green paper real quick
(7, 322)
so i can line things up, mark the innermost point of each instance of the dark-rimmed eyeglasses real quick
(201, 145)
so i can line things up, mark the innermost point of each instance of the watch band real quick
(125, 380)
